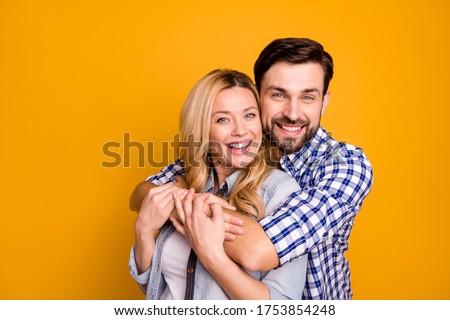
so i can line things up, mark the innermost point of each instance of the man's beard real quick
(287, 145)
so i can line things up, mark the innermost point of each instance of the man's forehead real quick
(289, 76)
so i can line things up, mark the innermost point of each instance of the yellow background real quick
(77, 74)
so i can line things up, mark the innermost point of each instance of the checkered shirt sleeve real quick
(326, 203)
(168, 173)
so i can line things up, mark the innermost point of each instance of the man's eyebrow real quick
(283, 90)
(309, 90)
(276, 88)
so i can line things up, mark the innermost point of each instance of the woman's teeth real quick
(238, 145)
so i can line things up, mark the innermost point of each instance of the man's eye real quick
(278, 95)
(308, 98)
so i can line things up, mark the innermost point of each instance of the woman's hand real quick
(206, 235)
(203, 221)
(233, 224)
(156, 208)
(155, 211)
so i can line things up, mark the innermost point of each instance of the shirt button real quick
(190, 270)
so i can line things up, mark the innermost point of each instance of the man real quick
(292, 76)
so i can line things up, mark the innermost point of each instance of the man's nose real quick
(292, 110)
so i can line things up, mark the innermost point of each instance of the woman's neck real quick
(220, 174)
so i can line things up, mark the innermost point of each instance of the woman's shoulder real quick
(277, 187)
(278, 176)
(279, 179)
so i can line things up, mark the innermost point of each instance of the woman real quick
(221, 126)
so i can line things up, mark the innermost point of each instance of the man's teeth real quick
(239, 145)
(291, 129)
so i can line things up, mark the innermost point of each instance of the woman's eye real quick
(221, 120)
(250, 115)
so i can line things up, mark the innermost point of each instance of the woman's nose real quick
(239, 129)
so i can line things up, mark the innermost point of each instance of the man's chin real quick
(290, 146)
(287, 145)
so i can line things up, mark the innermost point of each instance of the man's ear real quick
(326, 99)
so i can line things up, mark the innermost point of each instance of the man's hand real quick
(138, 195)
(233, 224)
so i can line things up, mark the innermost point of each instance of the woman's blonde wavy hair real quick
(195, 119)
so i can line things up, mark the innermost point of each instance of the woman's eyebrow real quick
(228, 112)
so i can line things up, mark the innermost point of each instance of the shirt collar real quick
(311, 150)
(225, 187)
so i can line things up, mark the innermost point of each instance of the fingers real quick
(187, 205)
(196, 207)
(202, 204)
(236, 230)
(233, 226)
(233, 220)
(161, 194)
(217, 213)
(228, 206)
(178, 226)
(232, 230)
(159, 189)
(158, 192)
(229, 236)
(179, 208)
(214, 199)
(181, 193)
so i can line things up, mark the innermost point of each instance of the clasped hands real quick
(198, 216)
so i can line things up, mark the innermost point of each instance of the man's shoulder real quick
(323, 150)
(325, 147)
(344, 149)
(336, 165)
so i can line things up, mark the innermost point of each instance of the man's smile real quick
(290, 129)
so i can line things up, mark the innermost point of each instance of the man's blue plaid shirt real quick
(334, 178)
